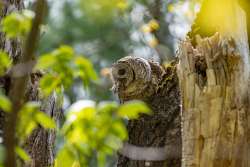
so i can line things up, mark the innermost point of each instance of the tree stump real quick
(213, 73)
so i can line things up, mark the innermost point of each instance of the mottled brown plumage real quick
(137, 78)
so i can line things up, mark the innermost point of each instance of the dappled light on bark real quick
(215, 101)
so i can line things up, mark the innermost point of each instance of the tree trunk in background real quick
(164, 48)
(214, 81)
(154, 140)
(12, 47)
(40, 144)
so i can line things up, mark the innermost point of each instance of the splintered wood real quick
(215, 103)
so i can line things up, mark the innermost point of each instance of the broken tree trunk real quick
(40, 145)
(154, 140)
(214, 81)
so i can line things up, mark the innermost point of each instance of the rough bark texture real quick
(136, 78)
(40, 144)
(164, 47)
(214, 81)
(12, 47)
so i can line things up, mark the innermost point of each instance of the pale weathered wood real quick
(214, 83)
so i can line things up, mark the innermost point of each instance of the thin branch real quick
(19, 84)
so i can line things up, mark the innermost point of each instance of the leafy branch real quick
(18, 86)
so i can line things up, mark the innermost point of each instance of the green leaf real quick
(58, 60)
(65, 158)
(64, 53)
(64, 67)
(45, 62)
(49, 83)
(5, 103)
(28, 129)
(30, 107)
(45, 121)
(77, 135)
(27, 122)
(132, 109)
(107, 107)
(119, 130)
(5, 62)
(30, 116)
(113, 142)
(22, 154)
(91, 128)
(85, 68)
(17, 24)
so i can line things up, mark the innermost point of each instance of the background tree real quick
(31, 101)
(127, 27)
(21, 86)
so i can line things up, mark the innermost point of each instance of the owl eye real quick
(121, 72)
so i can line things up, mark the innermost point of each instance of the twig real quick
(19, 84)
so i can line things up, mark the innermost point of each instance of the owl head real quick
(135, 78)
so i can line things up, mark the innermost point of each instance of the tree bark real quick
(12, 47)
(154, 140)
(164, 47)
(41, 143)
(214, 81)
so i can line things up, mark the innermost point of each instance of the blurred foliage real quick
(95, 129)
(106, 30)
(91, 130)
(22, 154)
(63, 66)
(30, 117)
(132, 109)
(94, 27)
(17, 23)
(98, 29)
(5, 103)
(5, 62)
